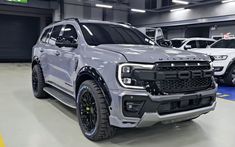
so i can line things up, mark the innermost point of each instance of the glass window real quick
(224, 44)
(96, 34)
(210, 42)
(46, 35)
(55, 34)
(177, 43)
(70, 33)
(193, 44)
(202, 44)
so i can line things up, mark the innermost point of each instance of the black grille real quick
(179, 77)
(184, 85)
(182, 66)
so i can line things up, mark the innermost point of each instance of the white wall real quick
(138, 4)
(56, 14)
(73, 11)
(120, 16)
(175, 33)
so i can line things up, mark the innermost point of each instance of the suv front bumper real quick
(153, 110)
(220, 67)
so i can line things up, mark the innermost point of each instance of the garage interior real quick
(29, 122)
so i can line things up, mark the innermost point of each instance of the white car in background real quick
(223, 52)
(191, 43)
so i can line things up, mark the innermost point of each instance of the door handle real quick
(57, 53)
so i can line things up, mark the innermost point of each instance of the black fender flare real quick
(35, 61)
(90, 73)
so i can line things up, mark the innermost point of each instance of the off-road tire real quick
(38, 82)
(102, 130)
(230, 76)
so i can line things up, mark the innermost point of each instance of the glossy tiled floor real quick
(226, 92)
(28, 122)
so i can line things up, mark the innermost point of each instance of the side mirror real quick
(66, 42)
(187, 47)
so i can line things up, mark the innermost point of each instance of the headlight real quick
(125, 74)
(211, 65)
(220, 57)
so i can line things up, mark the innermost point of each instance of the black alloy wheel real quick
(93, 112)
(88, 111)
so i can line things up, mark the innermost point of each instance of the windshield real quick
(224, 44)
(177, 43)
(96, 34)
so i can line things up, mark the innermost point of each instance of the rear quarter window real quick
(45, 35)
(55, 34)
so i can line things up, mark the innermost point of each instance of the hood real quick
(214, 51)
(152, 54)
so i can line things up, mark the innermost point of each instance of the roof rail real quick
(76, 19)
(125, 23)
(72, 18)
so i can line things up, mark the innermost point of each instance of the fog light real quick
(127, 81)
(134, 106)
(218, 69)
(126, 69)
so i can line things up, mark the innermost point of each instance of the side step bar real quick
(61, 96)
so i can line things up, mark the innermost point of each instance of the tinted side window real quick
(45, 35)
(193, 44)
(210, 42)
(55, 34)
(202, 44)
(177, 43)
(70, 33)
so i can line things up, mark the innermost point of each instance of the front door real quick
(68, 59)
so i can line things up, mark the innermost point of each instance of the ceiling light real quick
(227, 1)
(104, 6)
(179, 9)
(180, 2)
(138, 10)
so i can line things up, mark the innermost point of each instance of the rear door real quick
(53, 53)
(42, 48)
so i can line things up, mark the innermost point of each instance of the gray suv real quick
(116, 77)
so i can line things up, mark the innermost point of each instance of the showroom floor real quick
(29, 122)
